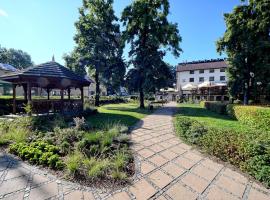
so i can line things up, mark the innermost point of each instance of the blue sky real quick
(46, 27)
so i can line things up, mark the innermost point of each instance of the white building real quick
(203, 80)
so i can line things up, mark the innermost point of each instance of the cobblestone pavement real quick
(166, 168)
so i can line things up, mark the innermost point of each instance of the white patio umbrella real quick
(189, 86)
(205, 84)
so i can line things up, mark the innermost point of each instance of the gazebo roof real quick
(49, 75)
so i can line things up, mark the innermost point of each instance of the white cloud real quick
(3, 13)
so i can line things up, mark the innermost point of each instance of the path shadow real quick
(201, 112)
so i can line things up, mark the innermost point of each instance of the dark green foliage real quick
(17, 58)
(246, 42)
(151, 36)
(98, 45)
(249, 149)
(253, 116)
(38, 153)
(215, 106)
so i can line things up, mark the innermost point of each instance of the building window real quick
(222, 70)
(222, 78)
(201, 79)
(211, 78)
(211, 70)
(191, 72)
(201, 71)
(191, 80)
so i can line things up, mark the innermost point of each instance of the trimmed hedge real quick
(250, 151)
(214, 106)
(254, 116)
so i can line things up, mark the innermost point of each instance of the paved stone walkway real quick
(166, 168)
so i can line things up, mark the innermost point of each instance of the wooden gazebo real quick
(48, 76)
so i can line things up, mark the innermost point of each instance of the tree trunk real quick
(141, 98)
(247, 94)
(97, 89)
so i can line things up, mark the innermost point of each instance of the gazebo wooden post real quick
(82, 96)
(25, 91)
(62, 99)
(68, 93)
(14, 98)
(29, 96)
(48, 94)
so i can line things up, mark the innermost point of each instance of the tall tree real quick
(247, 44)
(150, 35)
(73, 63)
(98, 40)
(17, 58)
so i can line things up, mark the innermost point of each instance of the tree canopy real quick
(150, 36)
(99, 45)
(247, 44)
(17, 58)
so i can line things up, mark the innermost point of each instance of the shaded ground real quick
(166, 168)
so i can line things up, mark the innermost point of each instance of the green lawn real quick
(209, 118)
(126, 113)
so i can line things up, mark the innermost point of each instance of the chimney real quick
(53, 60)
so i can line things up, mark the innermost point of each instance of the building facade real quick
(203, 80)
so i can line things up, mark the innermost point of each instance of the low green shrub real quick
(215, 106)
(254, 116)
(38, 153)
(248, 150)
(73, 162)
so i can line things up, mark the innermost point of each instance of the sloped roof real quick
(7, 67)
(209, 64)
(50, 70)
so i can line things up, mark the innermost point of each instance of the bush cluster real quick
(38, 152)
(249, 150)
(106, 100)
(214, 106)
(253, 116)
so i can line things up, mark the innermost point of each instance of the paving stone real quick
(146, 153)
(142, 190)
(216, 193)
(120, 196)
(13, 185)
(160, 179)
(231, 186)
(161, 198)
(88, 196)
(179, 192)
(170, 155)
(3, 165)
(196, 183)
(146, 167)
(156, 148)
(178, 150)
(204, 172)
(158, 160)
(44, 192)
(193, 156)
(38, 179)
(16, 196)
(260, 188)
(212, 165)
(173, 170)
(184, 162)
(256, 195)
(235, 175)
(74, 195)
(16, 172)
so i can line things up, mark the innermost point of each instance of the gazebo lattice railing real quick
(48, 76)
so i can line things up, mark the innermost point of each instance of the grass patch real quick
(126, 114)
(209, 118)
